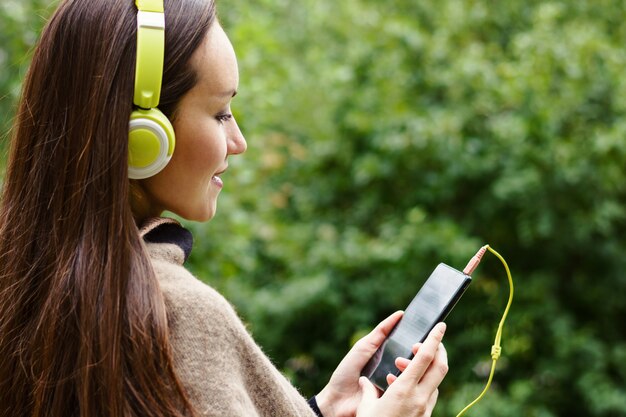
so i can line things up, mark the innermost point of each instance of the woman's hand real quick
(342, 394)
(414, 392)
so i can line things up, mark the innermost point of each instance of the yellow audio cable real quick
(496, 349)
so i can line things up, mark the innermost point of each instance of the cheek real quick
(200, 149)
(207, 156)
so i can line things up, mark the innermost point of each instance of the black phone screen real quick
(431, 305)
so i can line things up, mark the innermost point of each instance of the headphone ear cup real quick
(151, 142)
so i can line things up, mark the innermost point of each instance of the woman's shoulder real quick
(203, 325)
(218, 362)
(168, 245)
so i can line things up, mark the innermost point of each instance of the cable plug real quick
(473, 263)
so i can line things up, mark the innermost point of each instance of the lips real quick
(215, 179)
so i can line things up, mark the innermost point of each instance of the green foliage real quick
(385, 137)
(20, 24)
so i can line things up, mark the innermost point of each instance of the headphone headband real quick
(151, 137)
(150, 5)
(150, 53)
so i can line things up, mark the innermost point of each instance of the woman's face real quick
(206, 134)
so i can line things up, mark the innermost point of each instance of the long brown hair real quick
(83, 328)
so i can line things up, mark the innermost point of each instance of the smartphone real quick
(439, 294)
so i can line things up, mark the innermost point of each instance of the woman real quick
(98, 317)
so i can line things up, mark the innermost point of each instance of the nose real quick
(236, 141)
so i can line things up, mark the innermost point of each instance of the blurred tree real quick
(20, 24)
(385, 137)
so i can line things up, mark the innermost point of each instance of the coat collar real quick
(163, 230)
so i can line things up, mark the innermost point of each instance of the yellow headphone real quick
(151, 136)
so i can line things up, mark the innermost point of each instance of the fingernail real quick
(442, 327)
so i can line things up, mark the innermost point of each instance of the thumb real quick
(369, 395)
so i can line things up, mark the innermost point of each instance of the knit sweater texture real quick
(222, 369)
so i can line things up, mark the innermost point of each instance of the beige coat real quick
(223, 370)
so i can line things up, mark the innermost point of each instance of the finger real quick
(402, 363)
(420, 363)
(416, 348)
(363, 350)
(432, 401)
(369, 395)
(436, 371)
(369, 343)
(380, 332)
(391, 378)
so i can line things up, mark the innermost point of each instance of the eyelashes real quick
(224, 117)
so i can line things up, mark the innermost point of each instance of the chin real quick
(204, 213)
(208, 217)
